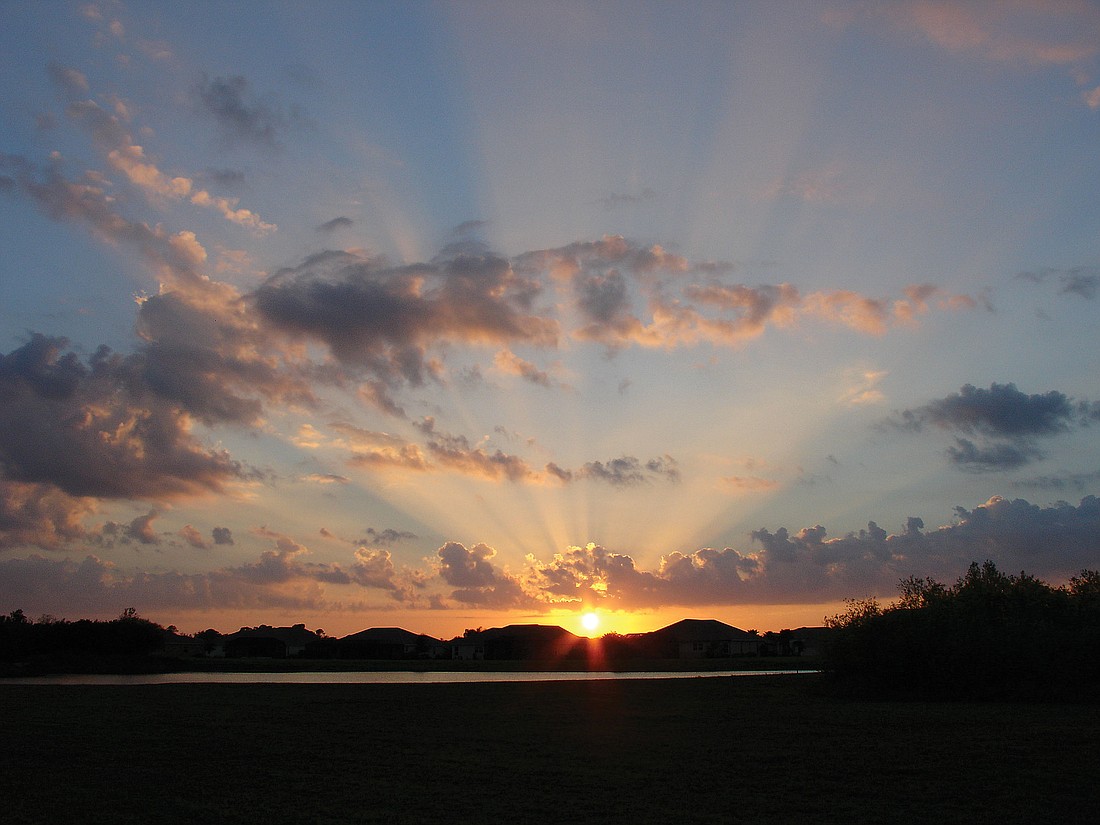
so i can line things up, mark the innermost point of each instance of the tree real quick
(990, 635)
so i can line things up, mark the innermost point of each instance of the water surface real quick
(374, 678)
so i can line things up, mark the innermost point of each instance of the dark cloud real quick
(1008, 420)
(82, 429)
(616, 199)
(1082, 281)
(1001, 411)
(384, 319)
(456, 453)
(225, 178)
(604, 298)
(386, 537)
(141, 529)
(241, 118)
(477, 581)
(222, 535)
(468, 228)
(627, 471)
(1071, 481)
(70, 82)
(992, 457)
(336, 223)
(1083, 284)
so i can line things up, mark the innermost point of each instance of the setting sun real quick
(590, 621)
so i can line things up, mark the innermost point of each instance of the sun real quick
(590, 621)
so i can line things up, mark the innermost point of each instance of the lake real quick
(374, 678)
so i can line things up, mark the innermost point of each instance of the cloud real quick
(1001, 411)
(336, 223)
(806, 566)
(141, 529)
(175, 258)
(326, 478)
(242, 119)
(1036, 34)
(222, 536)
(509, 363)
(828, 185)
(750, 484)
(85, 431)
(403, 456)
(628, 471)
(862, 387)
(468, 229)
(456, 453)
(477, 581)
(193, 537)
(111, 134)
(1082, 281)
(780, 566)
(383, 319)
(1008, 420)
(229, 178)
(1075, 481)
(280, 579)
(69, 81)
(991, 458)
(616, 199)
(40, 515)
(631, 295)
(386, 537)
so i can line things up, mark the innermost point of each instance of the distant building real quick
(390, 643)
(520, 641)
(183, 647)
(269, 642)
(703, 639)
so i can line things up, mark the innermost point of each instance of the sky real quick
(448, 315)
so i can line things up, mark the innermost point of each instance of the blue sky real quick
(446, 315)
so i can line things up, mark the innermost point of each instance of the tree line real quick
(127, 638)
(988, 636)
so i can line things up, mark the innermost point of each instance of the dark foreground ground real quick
(741, 749)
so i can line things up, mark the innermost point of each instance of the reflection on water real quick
(374, 678)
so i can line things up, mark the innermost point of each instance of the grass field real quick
(757, 749)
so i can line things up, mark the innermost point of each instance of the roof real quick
(532, 632)
(702, 630)
(296, 635)
(387, 635)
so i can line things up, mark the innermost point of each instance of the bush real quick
(990, 636)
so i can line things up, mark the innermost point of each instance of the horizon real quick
(471, 314)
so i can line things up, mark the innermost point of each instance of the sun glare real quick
(590, 621)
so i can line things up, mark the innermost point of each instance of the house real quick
(520, 642)
(269, 642)
(468, 647)
(703, 639)
(183, 647)
(390, 643)
(807, 641)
